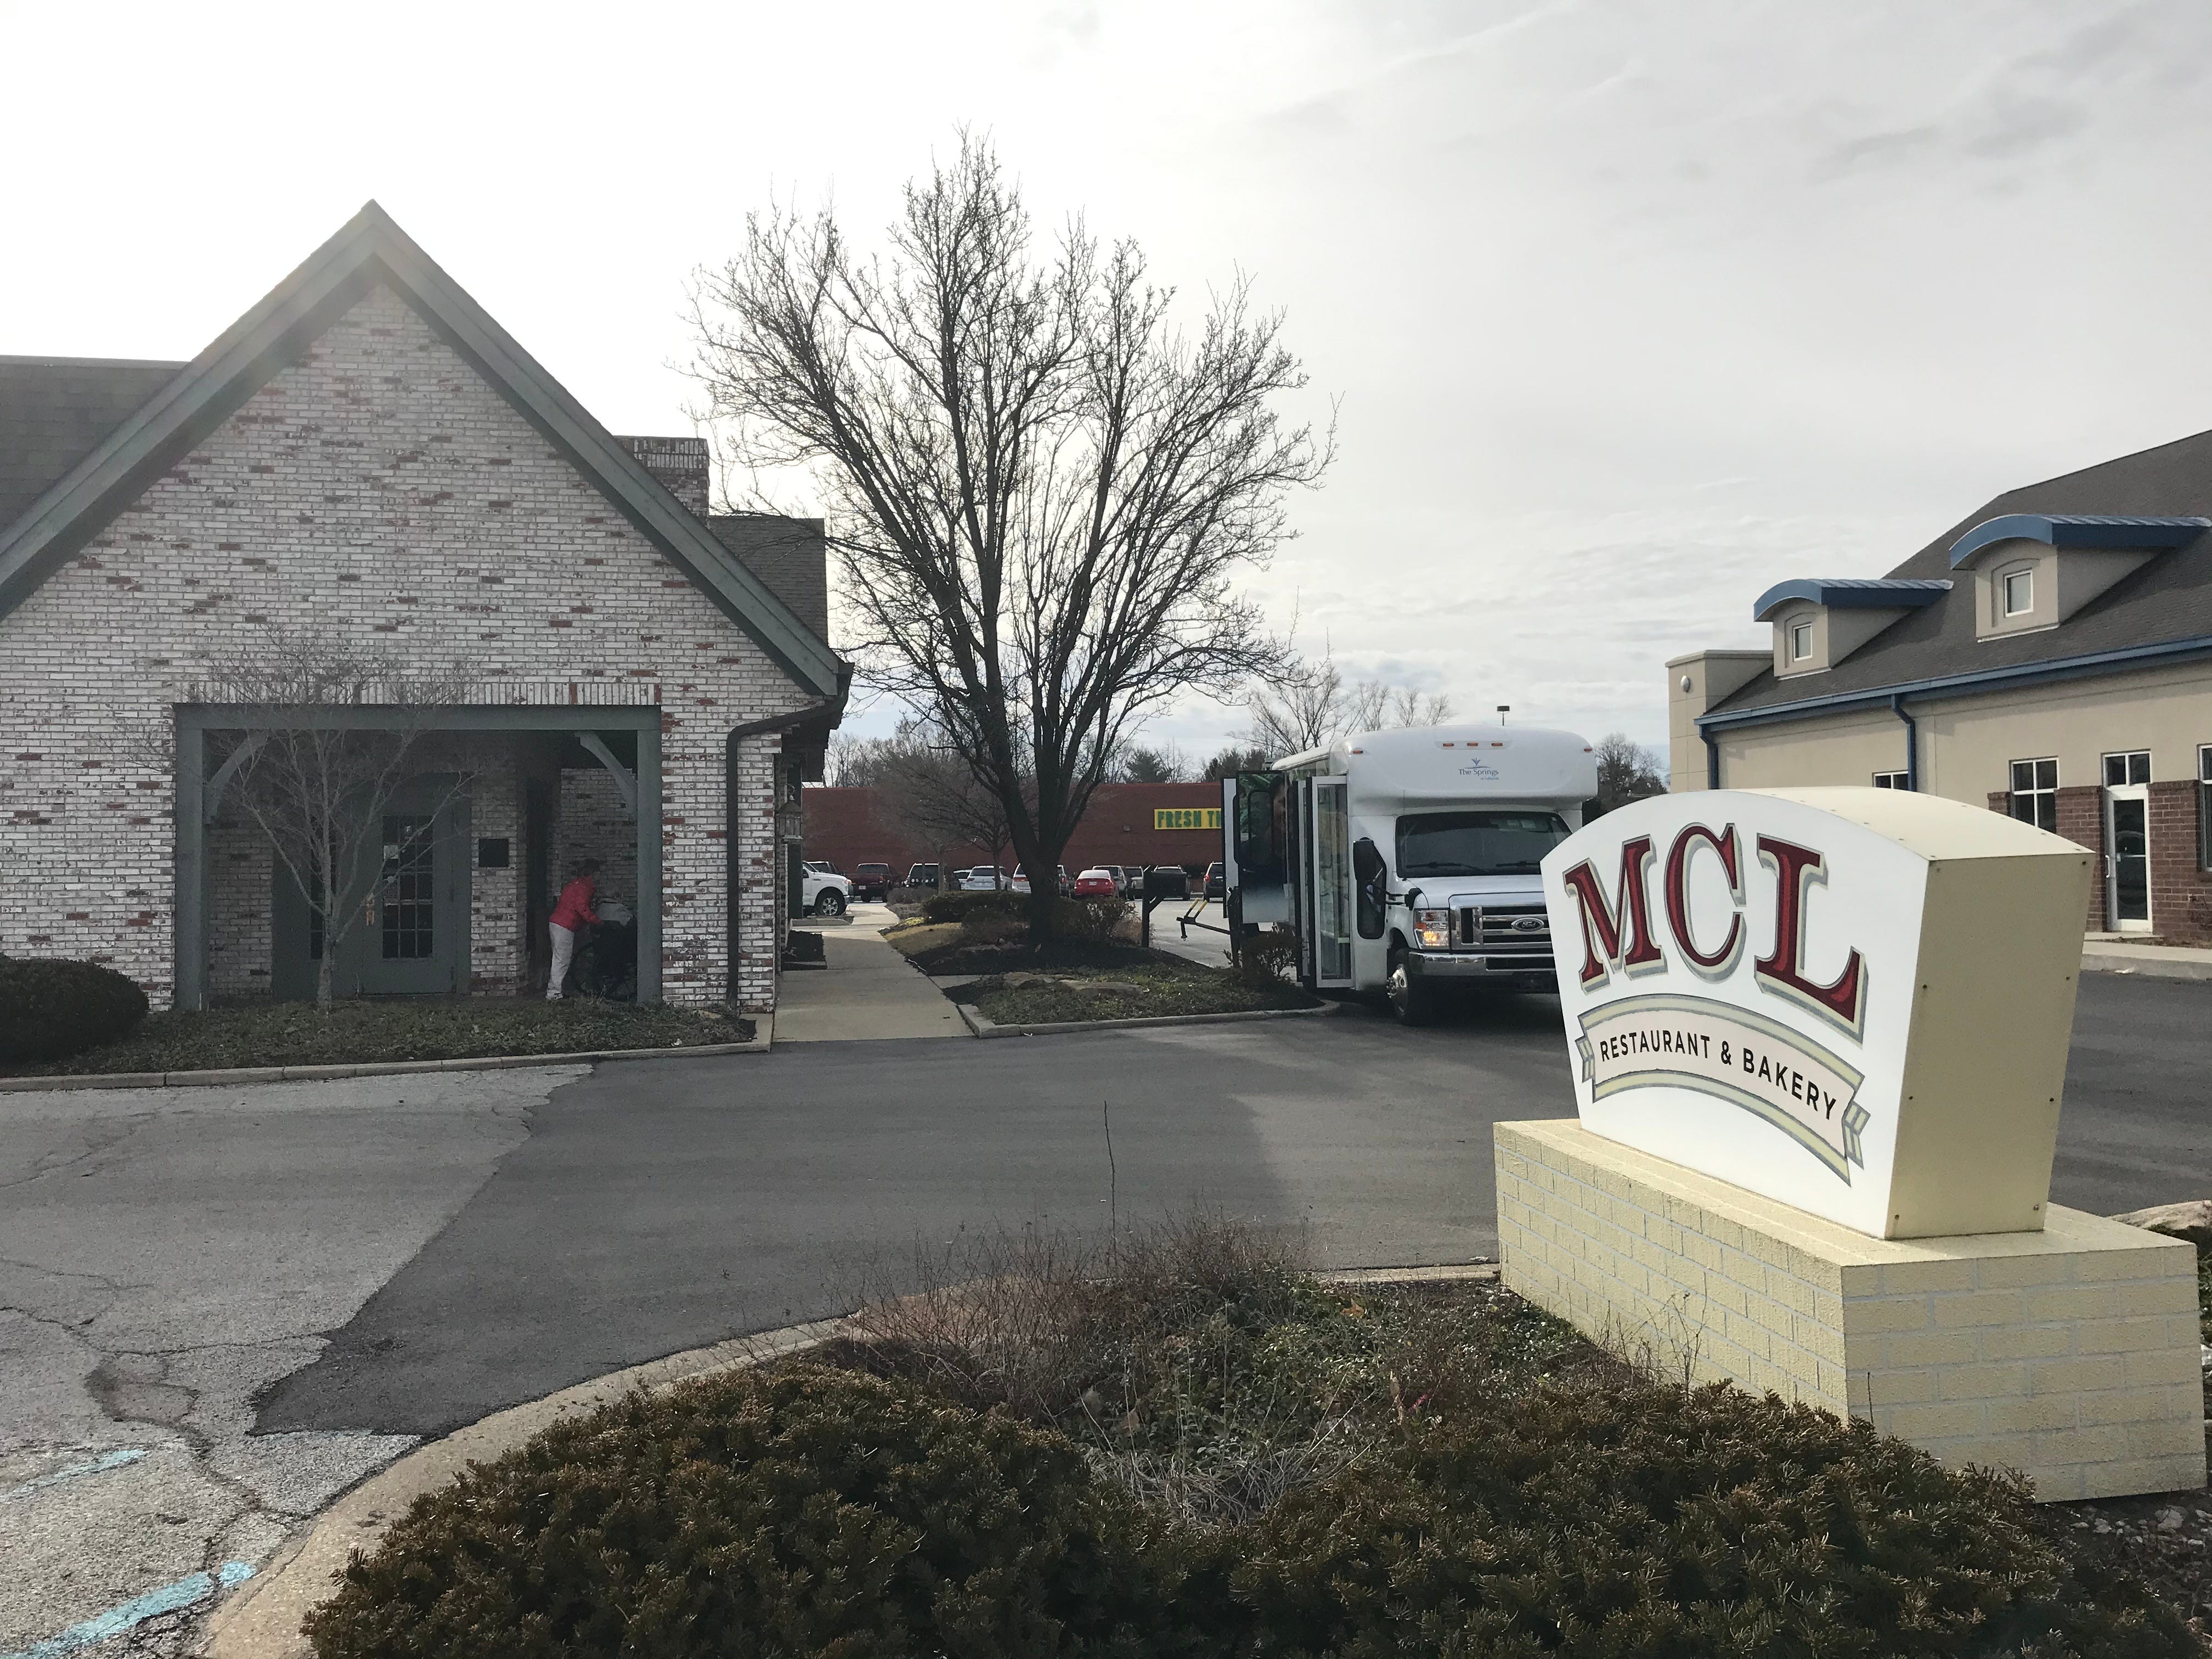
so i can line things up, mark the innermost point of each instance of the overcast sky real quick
(1631, 308)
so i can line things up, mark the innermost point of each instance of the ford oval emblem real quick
(1531, 925)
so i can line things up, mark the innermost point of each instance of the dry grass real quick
(1198, 1362)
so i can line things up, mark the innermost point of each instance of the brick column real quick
(2180, 893)
(2081, 821)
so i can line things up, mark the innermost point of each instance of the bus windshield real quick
(1508, 843)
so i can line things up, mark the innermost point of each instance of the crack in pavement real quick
(227, 1237)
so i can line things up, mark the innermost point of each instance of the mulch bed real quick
(363, 1033)
(1142, 990)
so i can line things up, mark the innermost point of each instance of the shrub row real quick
(809, 1510)
(1071, 918)
(49, 1010)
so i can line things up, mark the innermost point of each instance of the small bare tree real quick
(1309, 704)
(1626, 771)
(319, 792)
(932, 790)
(1040, 492)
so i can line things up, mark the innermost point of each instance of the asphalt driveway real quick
(252, 1296)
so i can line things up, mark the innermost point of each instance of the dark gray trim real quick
(1912, 742)
(1980, 681)
(2104, 530)
(188, 875)
(1843, 593)
(368, 249)
(449, 717)
(1712, 760)
(648, 867)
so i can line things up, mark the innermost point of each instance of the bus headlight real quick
(1432, 928)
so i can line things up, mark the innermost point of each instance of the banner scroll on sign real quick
(1733, 1055)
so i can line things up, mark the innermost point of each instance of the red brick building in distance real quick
(1124, 826)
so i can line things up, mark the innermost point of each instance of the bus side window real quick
(1370, 879)
(1259, 840)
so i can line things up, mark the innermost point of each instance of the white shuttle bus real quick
(1405, 862)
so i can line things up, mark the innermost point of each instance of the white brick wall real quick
(379, 486)
(2071, 1354)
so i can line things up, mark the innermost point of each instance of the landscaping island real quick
(364, 1033)
(1178, 1443)
(1091, 970)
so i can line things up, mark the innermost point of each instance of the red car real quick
(1096, 884)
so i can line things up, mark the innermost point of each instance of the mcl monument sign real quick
(1820, 1041)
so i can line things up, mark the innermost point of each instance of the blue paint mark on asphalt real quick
(168, 1599)
(100, 1465)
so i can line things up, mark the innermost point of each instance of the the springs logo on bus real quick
(1747, 982)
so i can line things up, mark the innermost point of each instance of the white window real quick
(1891, 780)
(2034, 793)
(2017, 591)
(2205, 807)
(2122, 769)
(1801, 641)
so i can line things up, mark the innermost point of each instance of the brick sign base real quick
(2071, 1354)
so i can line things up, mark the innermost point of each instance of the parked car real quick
(871, 880)
(924, 875)
(1060, 883)
(823, 867)
(1125, 877)
(1097, 884)
(1217, 882)
(824, 892)
(983, 879)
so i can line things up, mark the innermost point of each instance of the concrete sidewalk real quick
(2103, 956)
(868, 992)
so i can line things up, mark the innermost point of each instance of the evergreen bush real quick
(50, 1009)
(1633, 1521)
(799, 1511)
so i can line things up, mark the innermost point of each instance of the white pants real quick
(564, 952)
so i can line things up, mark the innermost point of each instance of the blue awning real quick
(1850, 593)
(2078, 529)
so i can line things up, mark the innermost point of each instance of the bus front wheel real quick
(1411, 1003)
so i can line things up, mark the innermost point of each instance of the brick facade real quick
(2180, 887)
(377, 485)
(2071, 1354)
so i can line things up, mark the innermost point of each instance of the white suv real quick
(823, 891)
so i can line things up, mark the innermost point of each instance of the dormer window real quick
(1819, 622)
(2035, 570)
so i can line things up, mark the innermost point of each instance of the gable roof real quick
(2163, 609)
(54, 411)
(184, 405)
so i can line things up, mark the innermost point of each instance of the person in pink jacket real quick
(571, 913)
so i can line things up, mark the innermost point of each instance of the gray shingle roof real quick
(2169, 598)
(54, 411)
(791, 556)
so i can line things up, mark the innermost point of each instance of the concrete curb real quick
(2100, 961)
(262, 1620)
(763, 1027)
(984, 1028)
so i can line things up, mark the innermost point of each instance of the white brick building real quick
(365, 450)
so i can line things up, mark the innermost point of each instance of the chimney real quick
(680, 464)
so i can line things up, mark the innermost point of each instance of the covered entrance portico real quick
(469, 857)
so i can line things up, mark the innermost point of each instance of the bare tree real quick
(1309, 705)
(319, 792)
(1626, 771)
(1040, 492)
(940, 799)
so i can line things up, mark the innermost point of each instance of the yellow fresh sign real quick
(1186, 817)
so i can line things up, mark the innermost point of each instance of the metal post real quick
(648, 867)
(188, 871)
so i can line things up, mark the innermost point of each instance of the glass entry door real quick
(2127, 858)
(1331, 842)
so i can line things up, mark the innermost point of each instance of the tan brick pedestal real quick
(2071, 1354)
